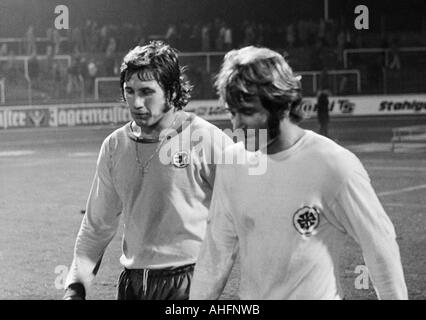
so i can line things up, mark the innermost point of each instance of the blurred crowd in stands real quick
(96, 50)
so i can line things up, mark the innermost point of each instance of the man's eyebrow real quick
(140, 89)
(246, 109)
(146, 89)
(240, 109)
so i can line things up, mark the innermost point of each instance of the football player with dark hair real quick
(162, 198)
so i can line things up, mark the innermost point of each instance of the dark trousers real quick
(152, 284)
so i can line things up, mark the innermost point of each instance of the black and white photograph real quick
(212, 150)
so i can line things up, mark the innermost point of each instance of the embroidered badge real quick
(180, 159)
(306, 220)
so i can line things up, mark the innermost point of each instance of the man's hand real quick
(75, 291)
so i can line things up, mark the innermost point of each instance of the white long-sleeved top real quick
(164, 212)
(290, 223)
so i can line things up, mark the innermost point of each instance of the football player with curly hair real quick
(162, 199)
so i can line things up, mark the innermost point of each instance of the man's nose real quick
(140, 103)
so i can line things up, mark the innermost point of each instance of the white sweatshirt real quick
(289, 226)
(164, 213)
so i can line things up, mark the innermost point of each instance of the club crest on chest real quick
(181, 159)
(306, 220)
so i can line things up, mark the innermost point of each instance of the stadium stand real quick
(326, 53)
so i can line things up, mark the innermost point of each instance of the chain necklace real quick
(144, 166)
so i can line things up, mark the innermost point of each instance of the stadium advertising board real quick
(338, 106)
(63, 115)
(116, 113)
(208, 109)
(371, 105)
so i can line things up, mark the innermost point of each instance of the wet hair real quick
(157, 61)
(263, 72)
